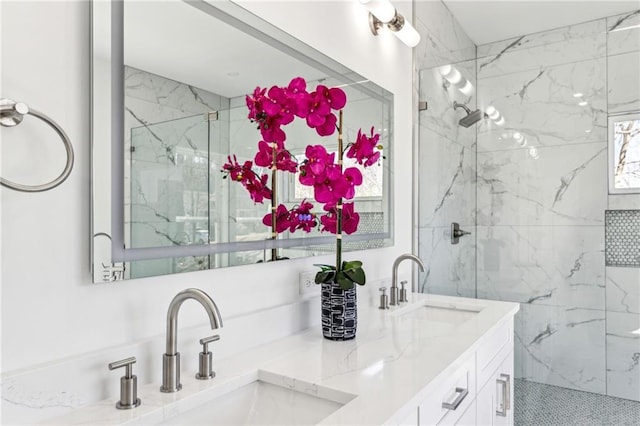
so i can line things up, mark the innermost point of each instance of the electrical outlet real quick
(308, 286)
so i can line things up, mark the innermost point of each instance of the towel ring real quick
(11, 114)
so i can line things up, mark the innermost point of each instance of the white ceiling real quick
(486, 21)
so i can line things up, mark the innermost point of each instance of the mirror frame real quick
(109, 254)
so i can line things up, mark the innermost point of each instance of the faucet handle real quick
(384, 299)
(205, 365)
(128, 384)
(403, 292)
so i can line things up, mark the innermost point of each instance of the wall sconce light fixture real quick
(382, 12)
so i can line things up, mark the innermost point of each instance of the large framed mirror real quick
(169, 81)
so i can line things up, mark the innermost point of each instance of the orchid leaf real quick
(324, 267)
(344, 281)
(356, 275)
(325, 277)
(354, 264)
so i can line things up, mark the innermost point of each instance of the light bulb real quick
(408, 35)
(492, 112)
(381, 9)
(467, 89)
(500, 122)
(444, 70)
(453, 76)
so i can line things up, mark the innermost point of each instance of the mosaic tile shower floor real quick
(537, 404)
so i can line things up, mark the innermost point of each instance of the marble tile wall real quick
(533, 190)
(541, 204)
(623, 283)
(446, 163)
(170, 157)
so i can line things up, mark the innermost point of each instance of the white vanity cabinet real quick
(477, 391)
(495, 399)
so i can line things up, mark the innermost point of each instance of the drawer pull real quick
(462, 394)
(505, 382)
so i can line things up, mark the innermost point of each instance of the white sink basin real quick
(440, 315)
(262, 403)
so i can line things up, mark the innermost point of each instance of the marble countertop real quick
(383, 374)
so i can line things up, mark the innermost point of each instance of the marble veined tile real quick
(447, 181)
(163, 91)
(624, 82)
(559, 266)
(178, 142)
(443, 39)
(440, 117)
(565, 185)
(560, 46)
(623, 289)
(562, 347)
(624, 201)
(541, 106)
(623, 355)
(623, 33)
(449, 268)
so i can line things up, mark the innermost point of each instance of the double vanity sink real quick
(404, 366)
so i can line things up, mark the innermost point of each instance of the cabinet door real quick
(504, 393)
(495, 399)
(469, 417)
(411, 419)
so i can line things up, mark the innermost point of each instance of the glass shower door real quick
(446, 177)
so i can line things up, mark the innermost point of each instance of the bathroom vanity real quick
(435, 360)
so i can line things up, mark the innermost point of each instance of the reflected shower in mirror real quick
(169, 85)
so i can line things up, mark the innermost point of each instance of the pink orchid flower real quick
(365, 149)
(353, 176)
(350, 219)
(282, 219)
(302, 217)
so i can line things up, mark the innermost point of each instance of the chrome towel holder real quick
(11, 114)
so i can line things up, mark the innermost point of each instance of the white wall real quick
(50, 308)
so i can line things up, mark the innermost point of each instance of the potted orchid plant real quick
(334, 186)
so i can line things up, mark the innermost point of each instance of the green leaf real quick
(344, 281)
(356, 275)
(354, 264)
(325, 267)
(325, 277)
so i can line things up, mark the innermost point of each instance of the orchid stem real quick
(339, 204)
(274, 196)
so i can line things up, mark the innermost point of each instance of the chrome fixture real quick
(403, 292)
(471, 118)
(11, 114)
(394, 276)
(453, 405)
(504, 381)
(382, 12)
(456, 233)
(205, 364)
(171, 359)
(384, 299)
(128, 384)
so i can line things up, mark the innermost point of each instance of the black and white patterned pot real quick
(339, 312)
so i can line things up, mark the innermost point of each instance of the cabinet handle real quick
(505, 381)
(462, 393)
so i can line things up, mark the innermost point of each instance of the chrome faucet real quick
(394, 276)
(171, 359)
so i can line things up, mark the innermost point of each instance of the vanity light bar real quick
(382, 12)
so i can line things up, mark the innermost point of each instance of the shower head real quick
(471, 118)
